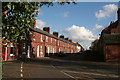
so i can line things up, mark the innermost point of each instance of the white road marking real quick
(71, 71)
(21, 75)
(69, 75)
(53, 66)
(21, 67)
(22, 64)
(21, 70)
(99, 74)
(89, 73)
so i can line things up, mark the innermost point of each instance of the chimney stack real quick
(70, 40)
(55, 34)
(62, 36)
(47, 29)
(66, 39)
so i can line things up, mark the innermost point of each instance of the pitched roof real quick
(50, 35)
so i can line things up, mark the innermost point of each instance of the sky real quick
(82, 22)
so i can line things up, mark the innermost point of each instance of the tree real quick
(95, 45)
(18, 17)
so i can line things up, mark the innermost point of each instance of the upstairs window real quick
(55, 41)
(51, 40)
(46, 38)
(41, 39)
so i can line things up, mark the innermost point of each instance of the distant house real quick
(110, 41)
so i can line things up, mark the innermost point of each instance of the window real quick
(46, 38)
(51, 40)
(41, 39)
(53, 50)
(41, 49)
(55, 41)
(12, 50)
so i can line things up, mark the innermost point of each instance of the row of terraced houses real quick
(40, 43)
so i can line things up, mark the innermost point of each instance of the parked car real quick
(61, 54)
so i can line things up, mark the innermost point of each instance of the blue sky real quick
(82, 22)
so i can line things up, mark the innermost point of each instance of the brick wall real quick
(112, 52)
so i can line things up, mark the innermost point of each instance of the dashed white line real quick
(22, 64)
(21, 67)
(21, 75)
(21, 70)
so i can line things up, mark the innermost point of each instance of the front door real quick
(38, 51)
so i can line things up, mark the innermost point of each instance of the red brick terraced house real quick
(45, 44)
(110, 41)
(40, 43)
(9, 50)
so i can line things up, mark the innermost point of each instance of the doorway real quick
(38, 50)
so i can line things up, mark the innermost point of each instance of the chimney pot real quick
(47, 29)
(55, 34)
(70, 40)
(62, 36)
(66, 39)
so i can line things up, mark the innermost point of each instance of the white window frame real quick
(46, 38)
(55, 41)
(51, 40)
(41, 39)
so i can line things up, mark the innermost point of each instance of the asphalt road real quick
(59, 69)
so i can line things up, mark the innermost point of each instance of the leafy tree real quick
(18, 17)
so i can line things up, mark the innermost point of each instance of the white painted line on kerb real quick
(69, 75)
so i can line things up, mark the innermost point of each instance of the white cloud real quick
(98, 28)
(108, 11)
(40, 24)
(79, 34)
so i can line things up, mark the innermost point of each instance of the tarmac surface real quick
(60, 68)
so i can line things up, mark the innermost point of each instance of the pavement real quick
(60, 69)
